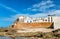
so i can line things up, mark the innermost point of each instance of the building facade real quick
(23, 22)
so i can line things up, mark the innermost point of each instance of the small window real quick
(46, 20)
(12, 26)
(30, 21)
(34, 20)
(17, 20)
(27, 21)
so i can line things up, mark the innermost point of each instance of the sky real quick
(10, 10)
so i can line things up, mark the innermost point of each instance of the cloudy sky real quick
(11, 9)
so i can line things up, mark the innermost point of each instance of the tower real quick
(21, 18)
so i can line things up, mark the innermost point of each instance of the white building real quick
(56, 20)
(50, 18)
(29, 19)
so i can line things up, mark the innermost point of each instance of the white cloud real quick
(56, 12)
(43, 3)
(9, 8)
(42, 6)
(14, 17)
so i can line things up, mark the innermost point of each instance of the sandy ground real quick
(35, 30)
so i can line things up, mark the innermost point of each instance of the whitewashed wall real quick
(56, 20)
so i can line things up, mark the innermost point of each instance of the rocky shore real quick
(55, 34)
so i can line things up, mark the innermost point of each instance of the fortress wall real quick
(32, 25)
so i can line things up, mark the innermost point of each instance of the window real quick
(27, 21)
(12, 26)
(45, 19)
(30, 21)
(17, 20)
